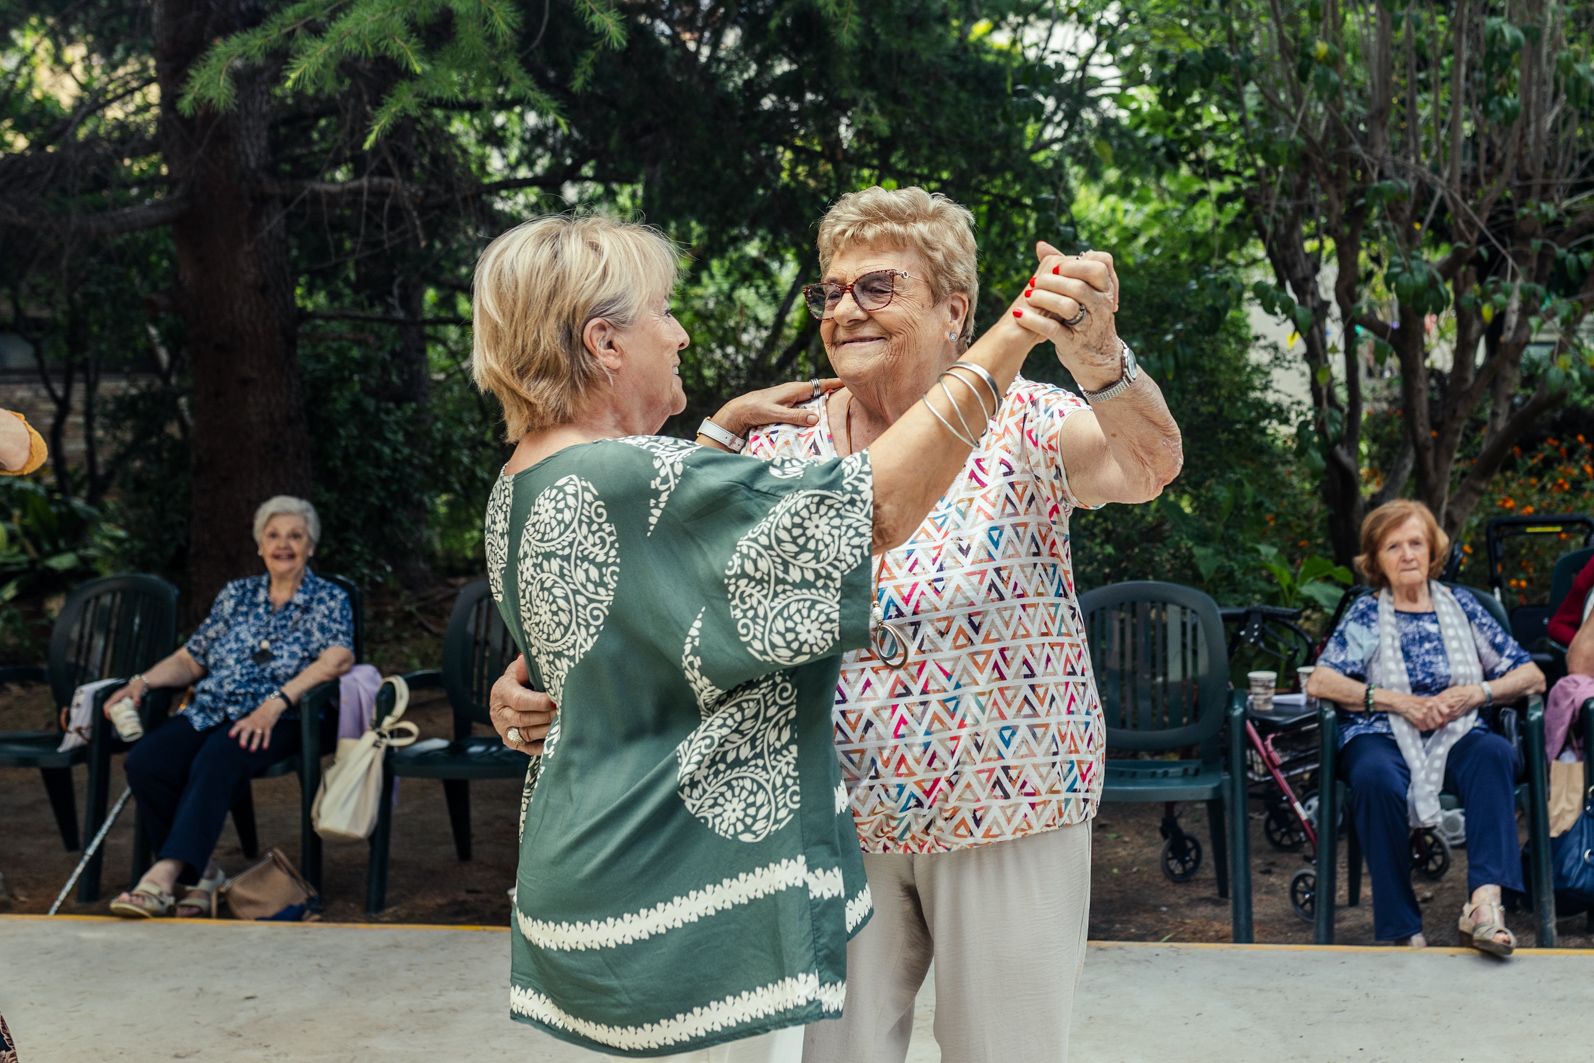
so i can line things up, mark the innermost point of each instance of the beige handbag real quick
(347, 804)
(271, 889)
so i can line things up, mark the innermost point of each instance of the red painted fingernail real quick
(1057, 269)
(1032, 282)
(1018, 313)
(1028, 292)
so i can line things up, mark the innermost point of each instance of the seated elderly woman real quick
(689, 876)
(1409, 666)
(268, 640)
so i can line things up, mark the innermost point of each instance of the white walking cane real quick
(94, 847)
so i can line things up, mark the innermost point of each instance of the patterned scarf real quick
(1425, 757)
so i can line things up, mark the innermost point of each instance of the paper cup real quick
(1303, 675)
(1262, 685)
(124, 717)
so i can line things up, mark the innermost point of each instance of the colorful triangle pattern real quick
(993, 729)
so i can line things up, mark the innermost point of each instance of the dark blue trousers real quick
(185, 781)
(1481, 770)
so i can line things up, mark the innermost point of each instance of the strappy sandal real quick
(142, 902)
(199, 902)
(1481, 934)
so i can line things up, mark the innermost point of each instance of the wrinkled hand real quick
(1064, 285)
(254, 731)
(513, 704)
(1424, 713)
(1457, 700)
(774, 405)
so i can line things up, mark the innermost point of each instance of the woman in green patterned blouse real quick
(689, 873)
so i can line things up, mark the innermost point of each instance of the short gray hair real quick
(288, 506)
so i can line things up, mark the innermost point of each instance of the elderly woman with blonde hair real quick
(689, 876)
(1410, 666)
(268, 640)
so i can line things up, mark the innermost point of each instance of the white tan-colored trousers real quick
(1005, 924)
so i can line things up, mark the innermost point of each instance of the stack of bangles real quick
(968, 436)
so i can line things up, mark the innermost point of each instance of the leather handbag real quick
(1572, 860)
(350, 796)
(271, 889)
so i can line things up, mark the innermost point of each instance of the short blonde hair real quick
(288, 506)
(1381, 521)
(535, 289)
(928, 223)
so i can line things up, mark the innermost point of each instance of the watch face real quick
(1131, 364)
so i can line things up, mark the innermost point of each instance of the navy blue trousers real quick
(185, 781)
(1481, 770)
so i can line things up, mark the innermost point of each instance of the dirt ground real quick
(1131, 899)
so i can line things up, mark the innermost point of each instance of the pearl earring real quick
(952, 336)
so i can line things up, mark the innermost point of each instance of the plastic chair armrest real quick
(425, 679)
(24, 673)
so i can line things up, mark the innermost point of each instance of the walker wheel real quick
(1430, 854)
(1181, 857)
(1282, 829)
(1303, 893)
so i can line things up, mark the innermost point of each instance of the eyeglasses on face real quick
(872, 291)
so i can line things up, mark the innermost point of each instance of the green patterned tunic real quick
(689, 873)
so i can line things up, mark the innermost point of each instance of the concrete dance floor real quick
(85, 990)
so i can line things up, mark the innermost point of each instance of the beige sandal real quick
(142, 902)
(1481, 934)
(199, 902)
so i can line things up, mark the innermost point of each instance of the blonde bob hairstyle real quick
(927, 223)
(535, 289)
(1377, 525)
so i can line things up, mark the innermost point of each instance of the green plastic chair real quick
(107, 628)
(1522, 724)
(1161, 668)
(476, 649)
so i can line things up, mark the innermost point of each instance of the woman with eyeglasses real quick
(689, 875)
(969, 730)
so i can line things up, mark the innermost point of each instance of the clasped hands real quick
(1434, 711)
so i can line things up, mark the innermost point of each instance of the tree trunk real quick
(250, 439)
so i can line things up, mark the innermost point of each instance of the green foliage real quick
(48, 544)
(444, 52)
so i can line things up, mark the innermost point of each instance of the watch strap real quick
(1131, 373)
(723, 436)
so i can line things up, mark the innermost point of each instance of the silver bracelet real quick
(978, 397)
(957, 407)
(985, 375)
(964, 439)
(1488, 693)
(723, 436)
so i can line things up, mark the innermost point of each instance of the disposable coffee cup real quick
(1303, 675)
(1262, 686)
(124, 717)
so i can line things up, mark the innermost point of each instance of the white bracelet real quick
(723, 436)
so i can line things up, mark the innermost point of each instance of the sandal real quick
(1480, 934)
(199, 902)
(142, 902)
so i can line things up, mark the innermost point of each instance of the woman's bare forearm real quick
(916, 459)
(332, 663)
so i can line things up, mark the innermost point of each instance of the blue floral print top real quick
(1423, 648)
(243, 628)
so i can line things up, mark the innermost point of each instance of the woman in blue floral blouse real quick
(1409, 666)
(268, 640)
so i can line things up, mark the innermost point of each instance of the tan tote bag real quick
(346, 806)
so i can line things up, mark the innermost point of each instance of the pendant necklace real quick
(887, 638)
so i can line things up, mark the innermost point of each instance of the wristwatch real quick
(723, 436)
(1123, 383)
